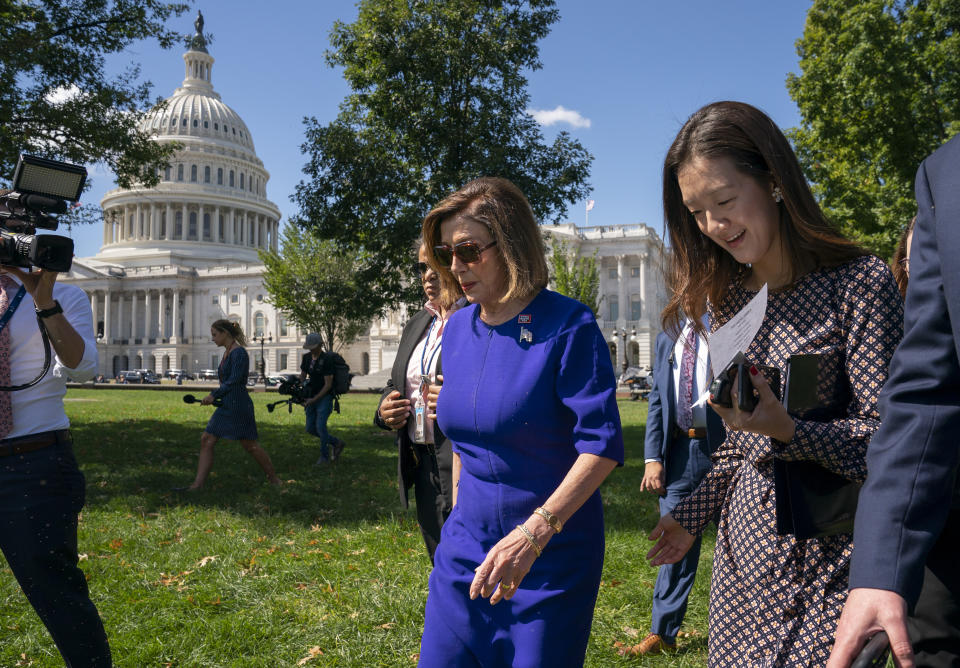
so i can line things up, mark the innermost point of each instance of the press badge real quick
(420, 411)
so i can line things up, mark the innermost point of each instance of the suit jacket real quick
(415, 330)
(912, 458)
(661, 413)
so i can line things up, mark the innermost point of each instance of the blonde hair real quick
(503, 209)
(231, 328)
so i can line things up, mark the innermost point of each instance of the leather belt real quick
(695, 432)
(32, 442)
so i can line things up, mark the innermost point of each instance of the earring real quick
(777, 195)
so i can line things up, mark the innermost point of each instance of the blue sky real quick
(635, 69)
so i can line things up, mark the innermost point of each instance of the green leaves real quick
(55, 99)
(439, 98)
(574, 276)
(877, 92)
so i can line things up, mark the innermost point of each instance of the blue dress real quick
(519, 413)
(234, 420)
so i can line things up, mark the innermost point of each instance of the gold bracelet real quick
(530, 539)
(551, 519)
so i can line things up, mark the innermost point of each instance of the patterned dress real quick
(776, 600)
(234, 420)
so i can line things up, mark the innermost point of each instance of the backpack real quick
(341, 374)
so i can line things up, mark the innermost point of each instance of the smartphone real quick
(874, 653)
(747, 396)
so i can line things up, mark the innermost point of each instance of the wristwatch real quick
(53, 310)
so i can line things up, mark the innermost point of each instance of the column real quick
(256, 231)
(188, 318)
(134, 321)
(200, 236)
(623, 306)
(94, 308)
(154, 222)
(138, 222)
(148, 317)
(168, 233)
(175, 329)
(120, 321)
(643, 286)
(247, 322)
(107, 335)
(215, 225)
(231, 224)
(106, 228)
(162, 316)
(185, 227)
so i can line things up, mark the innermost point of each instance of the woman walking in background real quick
(233, 419)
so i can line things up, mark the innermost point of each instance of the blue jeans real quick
(41, 493)
(317, 415)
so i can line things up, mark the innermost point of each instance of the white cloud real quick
(559, 115)
(61, 95)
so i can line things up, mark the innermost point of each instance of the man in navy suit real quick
(677, 453)
(909, 513)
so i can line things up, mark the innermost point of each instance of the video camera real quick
(293, 388)
(41, 188)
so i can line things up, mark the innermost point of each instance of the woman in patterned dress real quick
(233, 419)
(741, 215)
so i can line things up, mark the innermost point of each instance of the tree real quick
(55, 99)
(439, 97)
(573, 275)
(315, 284)
(879, 89)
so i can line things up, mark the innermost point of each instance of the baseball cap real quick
(313, 340)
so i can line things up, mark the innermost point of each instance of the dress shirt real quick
(427, 350)
(699, 376)
(40, 408)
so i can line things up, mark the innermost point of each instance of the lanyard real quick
(426, 344)
(12, 307)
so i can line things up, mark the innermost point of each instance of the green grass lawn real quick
(327, 571)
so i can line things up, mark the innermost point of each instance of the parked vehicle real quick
(138, 377)
(173, 374)
(208, 374)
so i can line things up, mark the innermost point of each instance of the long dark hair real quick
(231, 328)
(900, 261)
(699, 269)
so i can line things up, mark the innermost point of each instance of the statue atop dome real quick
(197, 41)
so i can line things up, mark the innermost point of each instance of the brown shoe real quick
(654, 644)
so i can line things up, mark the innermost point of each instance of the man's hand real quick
(38, 283)
(207, 400)
(868, 611)
(654, 478)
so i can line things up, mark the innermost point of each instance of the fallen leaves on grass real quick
(206, 560)
(387, 626)
(312, 654)
(633, 633)
(116, 544)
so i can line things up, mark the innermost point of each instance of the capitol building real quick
(178, 256)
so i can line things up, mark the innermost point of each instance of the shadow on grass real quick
(136, 462)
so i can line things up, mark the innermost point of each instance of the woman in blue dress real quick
(233, 419)
(528, 401)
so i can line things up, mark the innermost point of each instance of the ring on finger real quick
(506, 586)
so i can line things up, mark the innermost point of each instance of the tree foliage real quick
(879, 89)
(55, 98)
(574, 275)
(316, 285)
(439, 97)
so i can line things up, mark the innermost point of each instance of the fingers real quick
(761, 384)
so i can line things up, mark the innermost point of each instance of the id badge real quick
(420, 416)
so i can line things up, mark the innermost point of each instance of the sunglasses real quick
(467, 252)
(422, 268)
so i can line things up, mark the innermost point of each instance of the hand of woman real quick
(673, 541)
(432, 394)
(394, 410)
(768, 417)
(207, 400)
(505, 566)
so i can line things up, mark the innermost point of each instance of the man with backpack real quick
(317, 373)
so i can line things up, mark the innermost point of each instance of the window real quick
(173, 122)
(231, 178)
(206, 174)
(283, 327)
(194, 122)
(216, 126)
(234, 299)
(206, 226)
(206, 124)
(259, 322)
(219, 176)
(634, 272)
(220, 235)
(614, 307)
(635, 307)
(283, 360)
(179, 225)
(193, 173)
(612, 273)
(214, 361)
(184, 123)
(259, 298)
(192, 230)
(163, 224)
(166, 173)
(179, 172)
(241, 180)
(216, 300)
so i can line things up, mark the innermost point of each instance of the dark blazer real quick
(415, 330)
(661, 413)
(912, 458)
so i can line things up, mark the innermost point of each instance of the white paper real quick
(735, 336)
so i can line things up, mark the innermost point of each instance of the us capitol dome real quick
(177, 256)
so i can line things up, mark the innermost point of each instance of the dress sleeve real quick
(695, 511)
(586, 385)
(238, 368)
(871, 314)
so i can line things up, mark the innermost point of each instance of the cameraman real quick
(41, 487)
(316, 374)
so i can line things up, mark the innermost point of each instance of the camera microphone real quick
(43, 203)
